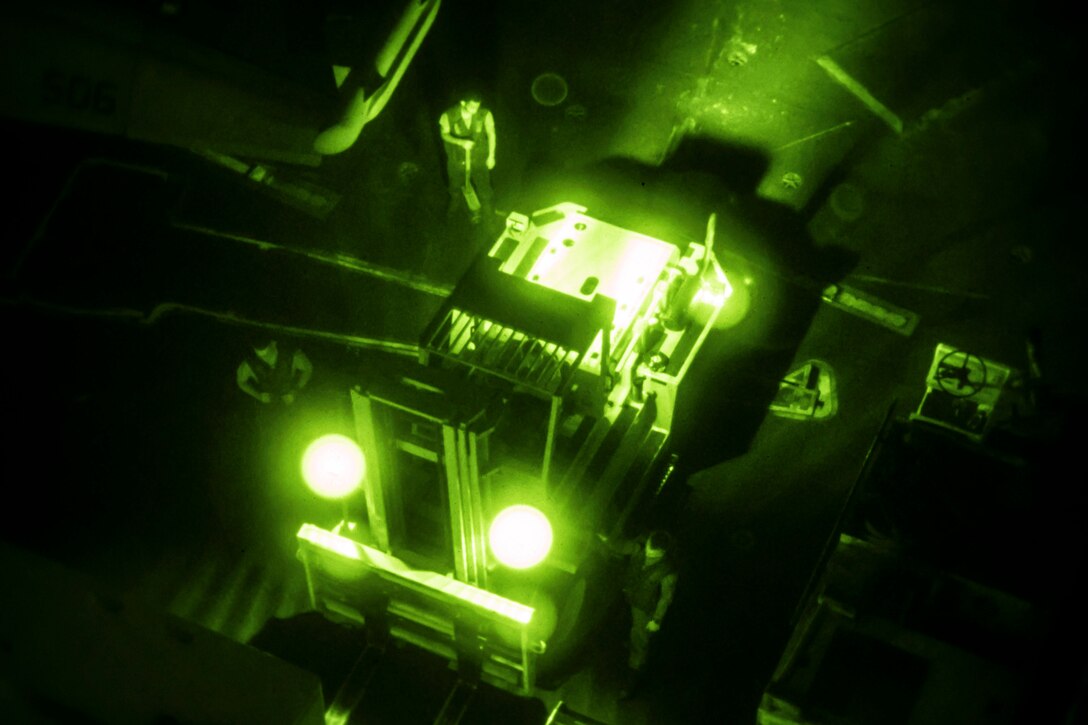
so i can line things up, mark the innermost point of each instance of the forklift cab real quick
(545, 388)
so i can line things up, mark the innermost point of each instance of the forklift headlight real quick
(333, 466)
(520, 537)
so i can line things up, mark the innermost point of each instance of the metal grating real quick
(503, 351)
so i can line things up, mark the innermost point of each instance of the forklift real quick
(535, 416)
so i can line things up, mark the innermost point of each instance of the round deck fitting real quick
(549, 89)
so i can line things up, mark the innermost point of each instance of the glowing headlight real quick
(333, 466)
(520, 537)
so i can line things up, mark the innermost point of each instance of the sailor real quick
(274, 372)
(649, 584)
(468, 130)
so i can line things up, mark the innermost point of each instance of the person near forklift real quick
(273, 372)
(468, 133)
(648, 586)
(267, 443)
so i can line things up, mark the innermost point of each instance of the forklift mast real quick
(548, 378)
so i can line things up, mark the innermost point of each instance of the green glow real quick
(709, 296)
(637, 272)
(491, 602)
(521, 537)
(438, 585)
(333, 466)
(739, 301)
(545, 613)
(622, 265)
(330, 541)
(719, 299)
